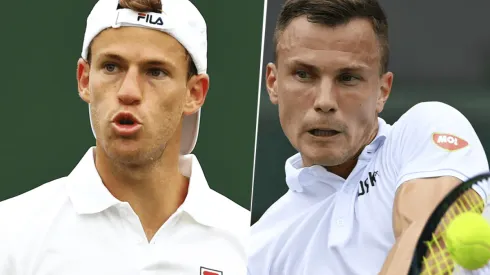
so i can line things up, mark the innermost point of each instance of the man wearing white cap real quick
(138, 202)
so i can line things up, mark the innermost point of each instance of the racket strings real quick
(438, 260)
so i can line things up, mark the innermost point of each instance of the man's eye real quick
(302, 74)
(110, 67)
(157, 73)
(346, 78)
(349, 79)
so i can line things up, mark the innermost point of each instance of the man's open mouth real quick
(125, 119)
(323, 132)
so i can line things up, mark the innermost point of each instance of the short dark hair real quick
(150, 6)
(333, 13)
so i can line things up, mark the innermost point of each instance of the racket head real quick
(428, 237)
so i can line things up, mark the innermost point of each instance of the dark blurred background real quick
(46, 129)
(440, 50)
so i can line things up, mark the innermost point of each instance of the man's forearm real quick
(400, 256)
(414, 202)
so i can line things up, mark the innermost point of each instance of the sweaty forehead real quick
(353, 42)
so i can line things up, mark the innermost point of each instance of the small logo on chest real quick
(207, 271)
(364, 185)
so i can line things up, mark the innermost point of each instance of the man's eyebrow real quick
(111, 56)
(302, 64)
(155, 62)
(151, 62)
(354, 67)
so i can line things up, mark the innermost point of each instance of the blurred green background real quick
(440, 51)
(46, 128)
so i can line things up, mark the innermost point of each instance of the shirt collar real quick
(383, 131)
(299, 177)
(199, 196)
(86, 190)
(89, 195)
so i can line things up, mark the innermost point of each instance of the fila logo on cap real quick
(449, 142)
(207, 271)
(150, 19)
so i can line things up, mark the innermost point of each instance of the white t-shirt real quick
(330, 226)
(74, 225)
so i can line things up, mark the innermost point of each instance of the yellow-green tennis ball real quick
(468, 240)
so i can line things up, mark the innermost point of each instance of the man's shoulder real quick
(278, 216)
(236, 216)
(434, 139)
(430, 112)
(31, 205)
(425, 119)
(269, 234)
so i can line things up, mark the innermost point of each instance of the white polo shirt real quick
(330, 226)
(74, 225)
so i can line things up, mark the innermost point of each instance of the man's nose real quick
(130, 91)
(325, 100)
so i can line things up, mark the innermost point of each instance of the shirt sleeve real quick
(434, 139)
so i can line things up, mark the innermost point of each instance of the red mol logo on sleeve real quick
(207, 271)
(449, 142)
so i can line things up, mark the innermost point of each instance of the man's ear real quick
(270, 80)
(83, 73)
(385, 91)
(197, 89)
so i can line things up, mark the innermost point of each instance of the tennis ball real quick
(468, 240)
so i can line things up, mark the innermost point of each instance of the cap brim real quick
(190, 131)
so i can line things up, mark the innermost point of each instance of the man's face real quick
(328, 88)
(138, 90)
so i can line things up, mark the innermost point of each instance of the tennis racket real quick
(431, 255)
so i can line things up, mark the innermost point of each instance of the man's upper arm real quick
(434, 149)
(433, 140)
(437, 148)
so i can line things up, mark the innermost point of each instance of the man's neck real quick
(345, 169)
(154, 191)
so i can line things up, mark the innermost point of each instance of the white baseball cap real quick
(180, 19)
